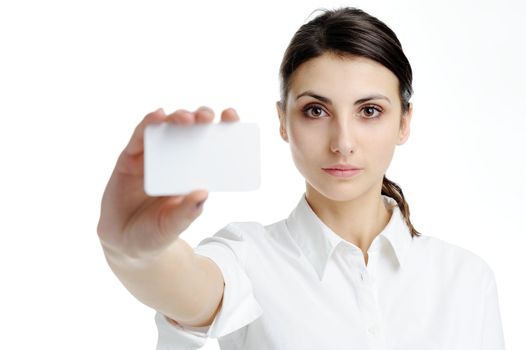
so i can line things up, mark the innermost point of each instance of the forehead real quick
(349, 76)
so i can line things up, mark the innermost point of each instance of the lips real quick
(342, 167)
(347, 173)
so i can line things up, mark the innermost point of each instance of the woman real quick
(346, 269)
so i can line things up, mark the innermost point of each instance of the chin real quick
(338, 192)
(342, 196)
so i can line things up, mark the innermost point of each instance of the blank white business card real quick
(223, 156)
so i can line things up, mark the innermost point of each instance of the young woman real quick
(346, 269)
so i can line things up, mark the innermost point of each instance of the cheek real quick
(305, 143)
(380, 151)
(374, 146)
(301, 145)
(299, 135)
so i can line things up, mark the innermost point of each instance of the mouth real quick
(342, 167)
(345, 173)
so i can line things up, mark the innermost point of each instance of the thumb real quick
(178, 215)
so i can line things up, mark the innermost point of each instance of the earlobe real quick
(404, 136)
(284, 135)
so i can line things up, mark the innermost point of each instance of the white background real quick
(77, 77)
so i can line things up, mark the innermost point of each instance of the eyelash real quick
(310, 106)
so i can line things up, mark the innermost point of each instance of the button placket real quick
(369, 303)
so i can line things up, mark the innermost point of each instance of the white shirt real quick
(295, 284)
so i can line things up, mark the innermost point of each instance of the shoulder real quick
(242, 229)
(451, 258)
(255, 237)
(239, 233)
(251, 230)
(239, 230)
(242, 240)
(439, 247)
(232, 243)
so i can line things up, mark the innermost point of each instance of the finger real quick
(136, 144)
(204, 114)
(181, 116)
(229, 115)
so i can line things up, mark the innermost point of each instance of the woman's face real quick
(355, 119)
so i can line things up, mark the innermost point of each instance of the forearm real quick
(168, 283)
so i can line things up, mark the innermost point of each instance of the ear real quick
(405, 128)
(282, 123)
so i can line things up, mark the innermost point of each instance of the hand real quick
(133, 224)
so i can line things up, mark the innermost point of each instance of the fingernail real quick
(205, 108)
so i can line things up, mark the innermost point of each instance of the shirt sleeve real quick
(492, 333)
(228, 249)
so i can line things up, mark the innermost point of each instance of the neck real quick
(358, 220)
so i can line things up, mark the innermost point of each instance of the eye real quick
(316, 109)
(371, 111)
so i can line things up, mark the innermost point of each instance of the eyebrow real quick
(328, 101)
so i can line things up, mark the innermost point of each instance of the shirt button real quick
(373, 330)
(364, 276)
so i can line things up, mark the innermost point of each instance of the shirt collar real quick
(317, 241)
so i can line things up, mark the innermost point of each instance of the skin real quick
(140, 234)
(345, 131)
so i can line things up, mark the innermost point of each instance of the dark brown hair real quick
(348, 31)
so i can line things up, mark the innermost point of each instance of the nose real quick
(341, 137)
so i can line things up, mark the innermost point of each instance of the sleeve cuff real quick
(175, 337)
